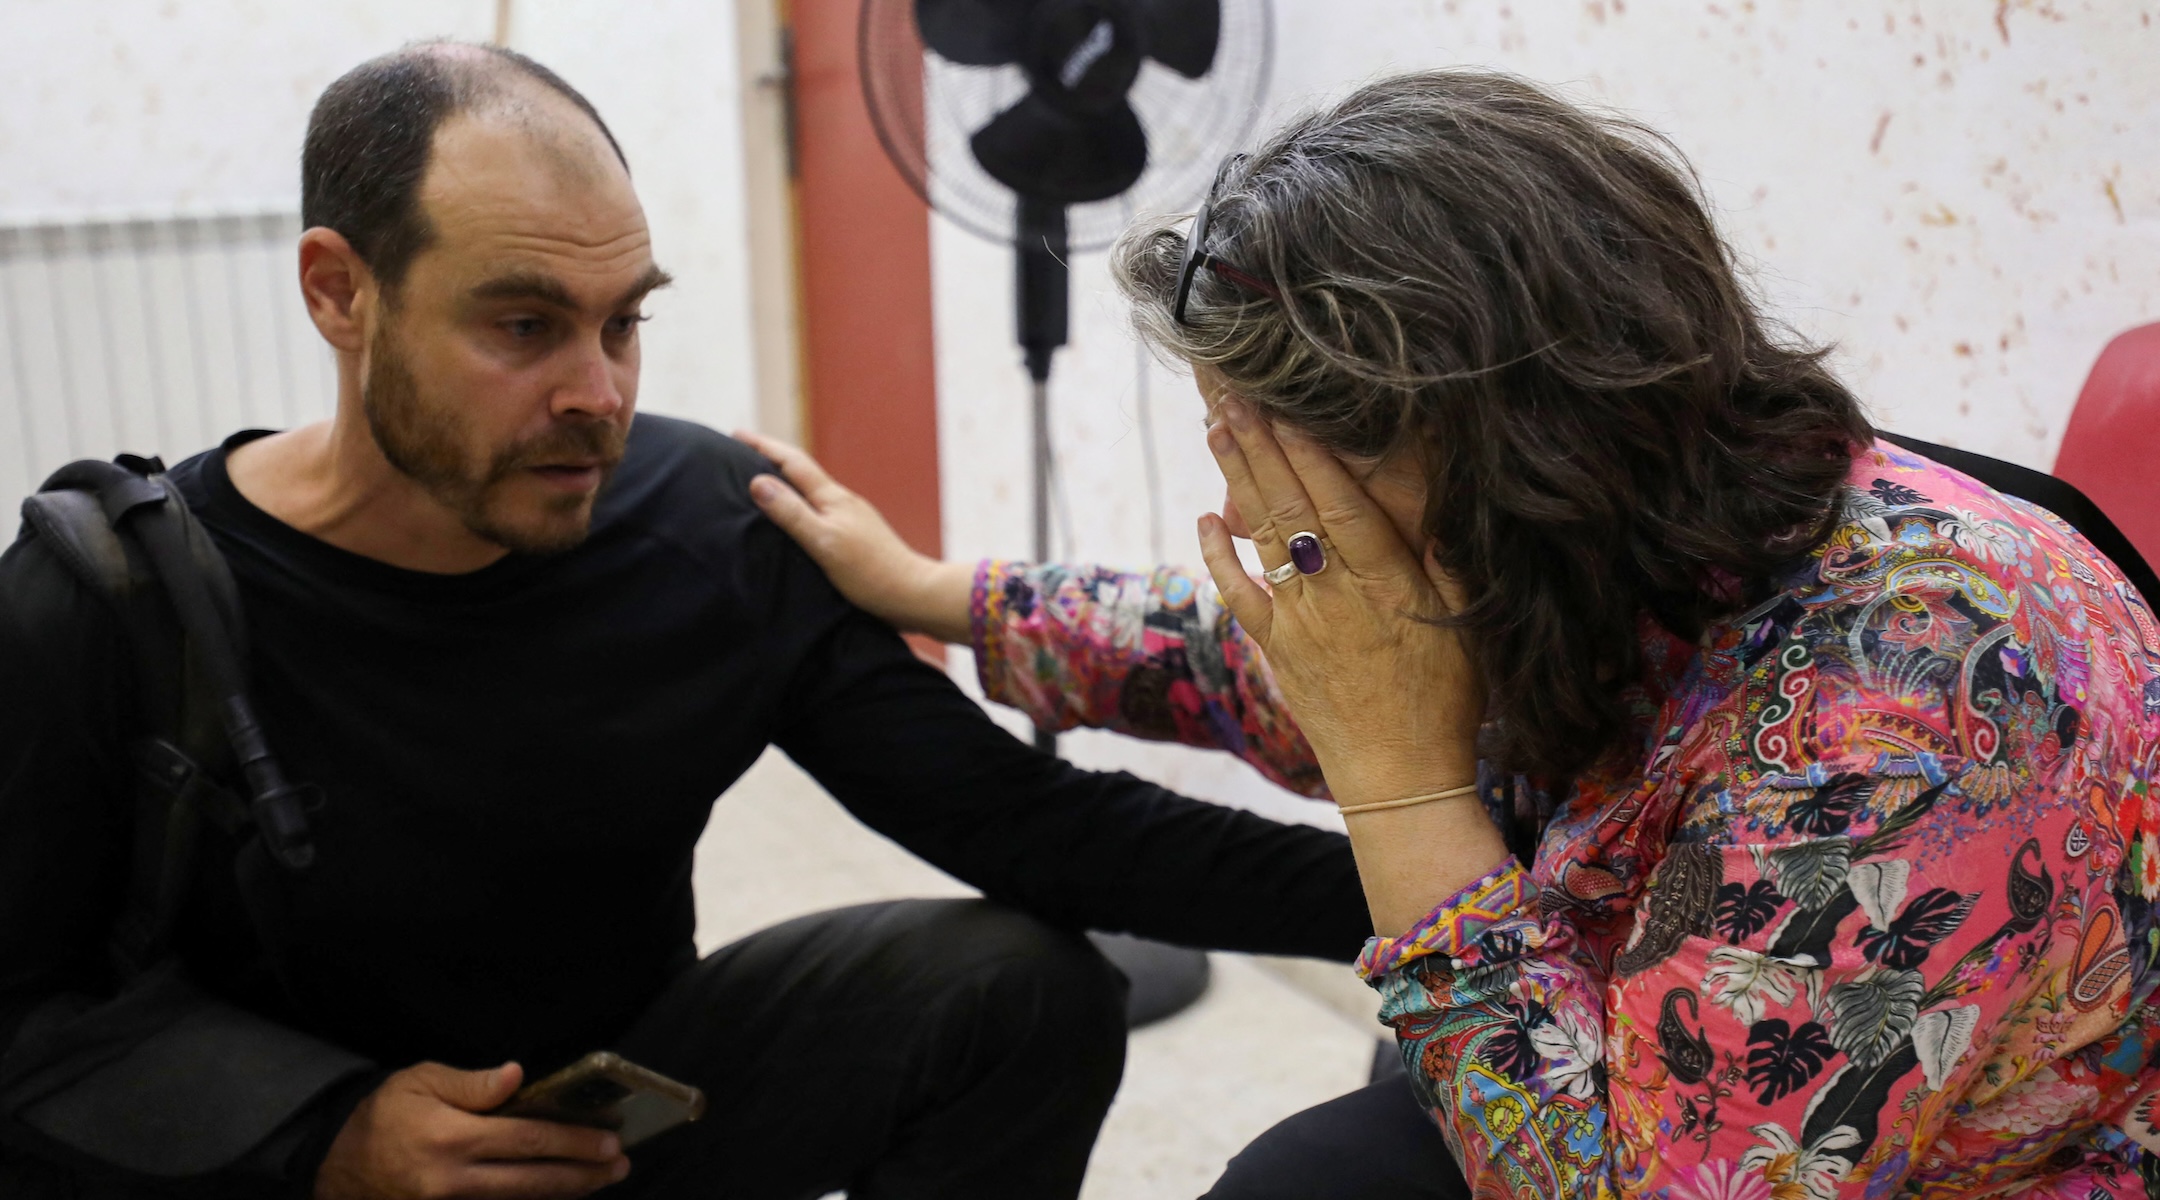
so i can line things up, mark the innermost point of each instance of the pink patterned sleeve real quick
(1155, 656)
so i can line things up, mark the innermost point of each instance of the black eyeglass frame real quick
(1197, 258)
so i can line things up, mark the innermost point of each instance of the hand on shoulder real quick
(858, 549)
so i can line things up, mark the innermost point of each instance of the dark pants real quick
(950, 1049)
(1373, 1144)
(932, 1049)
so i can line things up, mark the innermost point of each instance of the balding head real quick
(477, 257)
(373, 134)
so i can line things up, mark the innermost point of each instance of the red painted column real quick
(869, 374)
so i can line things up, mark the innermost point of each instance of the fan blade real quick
(1039, 151)
(1181, 34)
(976, 33)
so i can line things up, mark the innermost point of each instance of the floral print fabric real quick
(1869, 914)
(1157, 657)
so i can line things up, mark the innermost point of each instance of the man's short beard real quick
(426, 441)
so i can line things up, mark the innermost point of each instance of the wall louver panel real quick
(150, 336)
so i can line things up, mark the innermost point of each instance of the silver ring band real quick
(1280, 575)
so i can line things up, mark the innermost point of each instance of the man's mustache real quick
(581, 442)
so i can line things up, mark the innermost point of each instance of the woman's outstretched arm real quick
(1156, 656)
(1151, 655)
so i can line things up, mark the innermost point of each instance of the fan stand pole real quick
(1039, 423)
(1041, 295)
(1039, 430)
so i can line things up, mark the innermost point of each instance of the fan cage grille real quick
(925, 109)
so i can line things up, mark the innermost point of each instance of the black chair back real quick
(2052, 494)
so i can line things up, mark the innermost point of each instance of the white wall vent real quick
(150, 335)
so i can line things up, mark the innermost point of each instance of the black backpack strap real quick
(123, 529)
(151, 508)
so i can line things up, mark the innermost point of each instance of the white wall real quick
(1964, 197)
(144, 107)
(136, 105)
(664, 74)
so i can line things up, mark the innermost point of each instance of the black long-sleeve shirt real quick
(519, 761)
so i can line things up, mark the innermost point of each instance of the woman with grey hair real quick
(1747, 807)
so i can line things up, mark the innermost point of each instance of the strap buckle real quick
(173, 772)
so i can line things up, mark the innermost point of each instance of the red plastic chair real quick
(2111, 451)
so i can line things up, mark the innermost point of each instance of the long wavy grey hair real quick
(1531, 299)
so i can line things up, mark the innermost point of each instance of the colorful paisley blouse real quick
(1870, 913)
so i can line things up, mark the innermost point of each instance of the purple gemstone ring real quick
(1307, 554)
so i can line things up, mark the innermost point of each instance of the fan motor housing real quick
(1083, 55)
(1065, 113)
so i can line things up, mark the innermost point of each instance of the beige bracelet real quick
(1465, 790)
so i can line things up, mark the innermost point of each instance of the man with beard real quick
(522, 640)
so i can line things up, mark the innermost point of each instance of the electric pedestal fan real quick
(1046, 124)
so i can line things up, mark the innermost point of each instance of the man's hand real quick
(422, 1135)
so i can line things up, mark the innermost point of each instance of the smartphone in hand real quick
(606, 1091)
